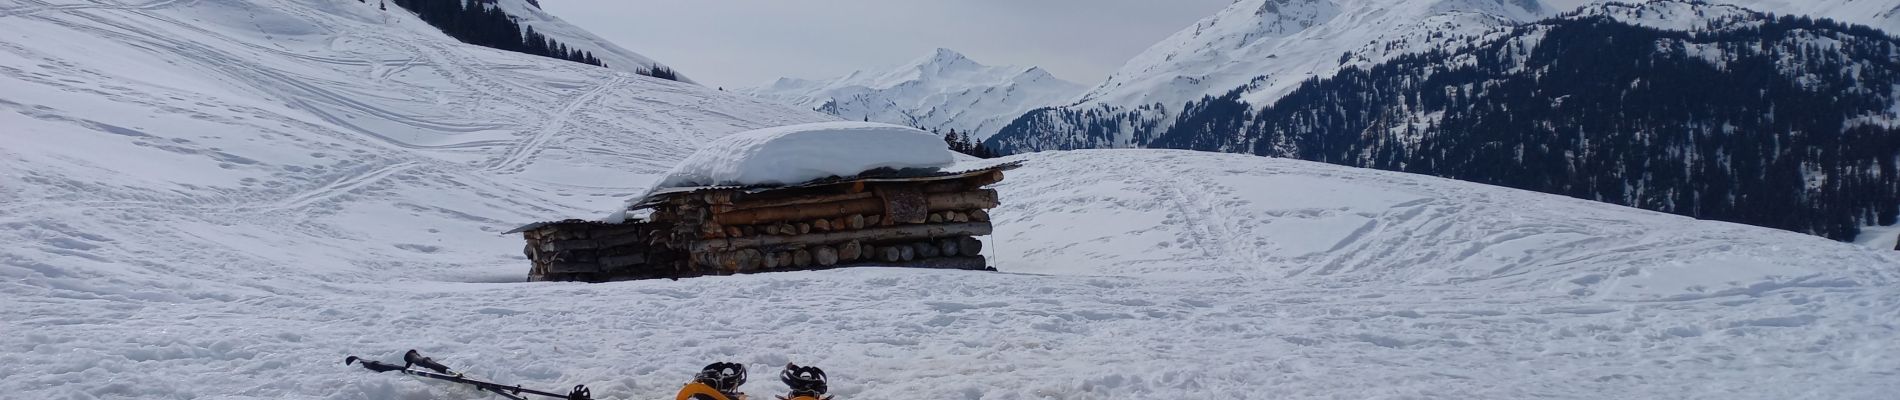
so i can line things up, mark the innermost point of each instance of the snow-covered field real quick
(223, 198)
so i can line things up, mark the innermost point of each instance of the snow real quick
(194, 208)
(800, 153)
(1880, 237)
(942, 90)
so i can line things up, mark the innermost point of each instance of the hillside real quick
(940, 91)
(1709, 111)
(1264, 49)
(221, 199)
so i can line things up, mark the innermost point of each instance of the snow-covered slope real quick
(609, 53)
(221, 199)
(1883, 14)
(289, 143)
(943, 90)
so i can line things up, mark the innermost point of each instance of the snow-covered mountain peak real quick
(944, 56)
(1287, 41)
(943, 90)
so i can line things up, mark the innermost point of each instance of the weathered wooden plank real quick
(888, 233)
(749, 204)
(976, 199)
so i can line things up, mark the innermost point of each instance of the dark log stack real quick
(926, 222)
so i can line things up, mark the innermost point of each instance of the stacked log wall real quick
(927, 224)
(913, 224)
(587, 251)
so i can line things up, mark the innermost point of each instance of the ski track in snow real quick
(37, 6)
(192, 208)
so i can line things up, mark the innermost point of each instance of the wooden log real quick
(904, 203)
(617, 230)
(935, 218)
(824, 256)
(570, 245)
(969, 246)
(749, 230)
(980, 215)
(771, 261)
(873, 220)
(718, 197)
(801, 258)
(617, 262)
(769, 229)
(959, 216)
(986, 179)
(906, 253)
(787, 229)
(729, 262)
(855, 221)
(619, 241)
(962, 263)
(890, 254)
(750, 260)
(890, 233)
(850, 251)
(734, 231)
(573, 268)
(984, 198)
(821, 225)
(948, 247)
(749, 204)
(804, 228)
(926, 249)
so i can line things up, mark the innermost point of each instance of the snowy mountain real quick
(223, 198)
(1507, 105)
(1266, 48)
(943, 90)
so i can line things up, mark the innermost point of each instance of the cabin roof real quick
(877, 175)
(539, 225)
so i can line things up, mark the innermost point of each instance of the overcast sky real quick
(738, 43)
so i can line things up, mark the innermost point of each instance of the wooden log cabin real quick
(923, 219)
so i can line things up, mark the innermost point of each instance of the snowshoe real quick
(718, 381)
(807, 383)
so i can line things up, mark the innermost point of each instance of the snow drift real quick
(799, 153)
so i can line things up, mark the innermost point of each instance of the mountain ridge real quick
(941, 90)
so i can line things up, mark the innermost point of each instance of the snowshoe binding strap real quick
(807, 382)
(416, 359)
(723, 376)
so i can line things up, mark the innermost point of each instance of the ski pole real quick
(514, 392)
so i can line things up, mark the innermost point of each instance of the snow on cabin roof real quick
(793, 154)
(879, 175)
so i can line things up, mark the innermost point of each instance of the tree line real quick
(482, 24)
